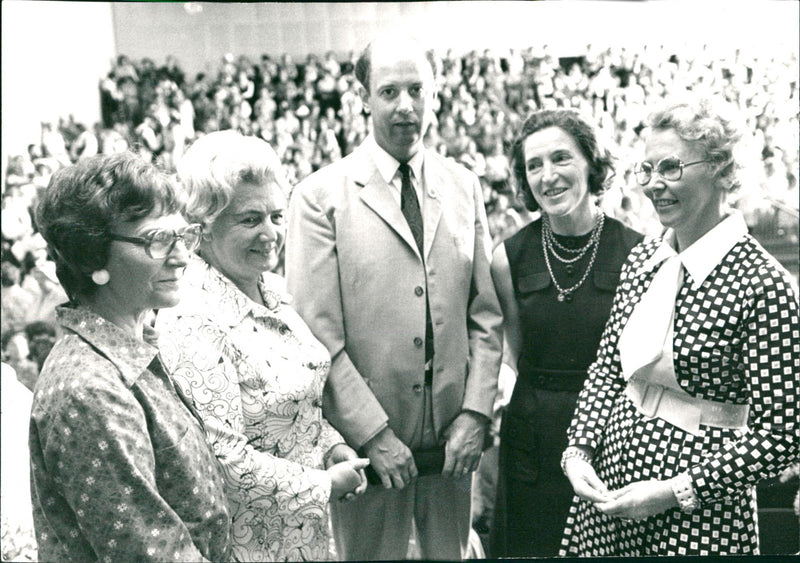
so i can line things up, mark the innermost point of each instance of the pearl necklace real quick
(548, 247)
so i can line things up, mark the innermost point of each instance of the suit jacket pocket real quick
(521, 452)
(533, 282)
(606, 280)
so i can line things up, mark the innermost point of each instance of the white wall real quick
(54, 54)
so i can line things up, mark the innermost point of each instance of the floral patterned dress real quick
(256, 375)
(736, 340)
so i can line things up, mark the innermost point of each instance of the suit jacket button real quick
(418, 342)
(417, 388)
(419, 291)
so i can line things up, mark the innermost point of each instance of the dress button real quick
(417, 388)
(418, 342)
(419, 291)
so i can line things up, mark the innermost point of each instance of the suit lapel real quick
(435, 185)
(376, 194)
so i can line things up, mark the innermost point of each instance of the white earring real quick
(101, 277)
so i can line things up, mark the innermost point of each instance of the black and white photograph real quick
(375, 281)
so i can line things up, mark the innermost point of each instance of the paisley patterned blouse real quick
(737, 341)
(256, 374)
(120, 469)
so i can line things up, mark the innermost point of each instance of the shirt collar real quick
(128, 354)
(387, 165)
(707, 252)
(234, 305)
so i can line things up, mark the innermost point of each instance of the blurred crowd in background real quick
(310, 111)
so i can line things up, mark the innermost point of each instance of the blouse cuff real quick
(583, 441)
(706, 490)
(322, 479)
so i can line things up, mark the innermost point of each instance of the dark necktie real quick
(411, 211)
(410, 206)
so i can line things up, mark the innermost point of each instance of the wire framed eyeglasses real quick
(670, 168)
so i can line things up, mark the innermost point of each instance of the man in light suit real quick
(388, 261)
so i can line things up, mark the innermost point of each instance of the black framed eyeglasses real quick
(159, 243)
(670, 168)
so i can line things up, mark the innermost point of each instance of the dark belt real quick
(429, 461)
(555, 379)
(429, 373)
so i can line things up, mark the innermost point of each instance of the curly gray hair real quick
(711, 124)
(216, 163)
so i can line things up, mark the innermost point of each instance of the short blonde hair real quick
(218, 162)
(711, 124)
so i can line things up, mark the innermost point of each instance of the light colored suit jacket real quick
(358, 281)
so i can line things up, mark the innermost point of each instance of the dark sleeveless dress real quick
(559, 341)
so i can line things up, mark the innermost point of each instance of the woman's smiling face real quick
(557, 172)
(692, 205)
(245, 240)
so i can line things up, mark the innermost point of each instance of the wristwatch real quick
(571, 452)
(684, 491)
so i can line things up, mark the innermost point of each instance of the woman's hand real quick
(343, 452)
(639, 500)
(347, 478)
(585, 481)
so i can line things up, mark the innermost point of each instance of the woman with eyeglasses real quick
(693, 397)
(249, 361)
(120, 469)
(555, 279)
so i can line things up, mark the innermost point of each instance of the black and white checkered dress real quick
(737, 340)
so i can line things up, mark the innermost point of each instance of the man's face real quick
(400, 99)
